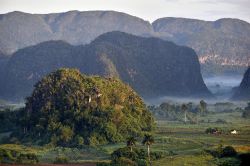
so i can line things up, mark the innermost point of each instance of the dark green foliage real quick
(228, 151)
(131, 142)
(8, 120)
(213, 130)
(68, 108)
(148, 140)
(203, 107)
(149, 65)
(228, 161)
(222, 152)
(138, 156)
(12, 156)
(61, 160)
(175, 112)
(123, 161)
(103, 164)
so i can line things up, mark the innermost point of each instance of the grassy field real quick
(182, 144)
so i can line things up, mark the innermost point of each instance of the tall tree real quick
(203, 106)
(148, 141)
(131, 141)
(184, 108)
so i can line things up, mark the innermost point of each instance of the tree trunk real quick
(131, 149)
(148, 152)
(185, 117)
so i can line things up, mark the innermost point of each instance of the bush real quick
(125, 152)
(221, 152)
(61, 160)
(156, 155)
(212, 130)
(139, 156)
(227, 162)
(123, 161)
(103, 164)
(228, 151)
(12, 156)
(142, 162)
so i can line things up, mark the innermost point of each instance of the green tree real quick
(203, 107)
(131, 141)
(148, 140)
(65, 134)
(184, 108)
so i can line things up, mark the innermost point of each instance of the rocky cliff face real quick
(243, 91)
(153, 67)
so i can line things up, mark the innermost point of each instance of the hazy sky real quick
(146, 9)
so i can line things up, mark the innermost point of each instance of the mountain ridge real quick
(221, 45)
(149, 65)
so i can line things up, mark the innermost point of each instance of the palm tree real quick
(184, 108)
(131, 141)
(203, 106)
(148, 140)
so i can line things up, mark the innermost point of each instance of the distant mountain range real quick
(153, 67)
(243, 91)
(222, 45)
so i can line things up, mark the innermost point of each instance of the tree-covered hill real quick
(222, 45)
(243, 91)
(153, 67)
(68, 108)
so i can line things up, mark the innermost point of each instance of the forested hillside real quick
(153, 67)
(222, 45)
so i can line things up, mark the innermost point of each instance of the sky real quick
(149, 10)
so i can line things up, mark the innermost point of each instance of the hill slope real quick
(243, 91)
(223, 42)
(221, 45)
(153, 67)
(95, 109)
(19, 30)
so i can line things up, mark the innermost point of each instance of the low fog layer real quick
(220, 86)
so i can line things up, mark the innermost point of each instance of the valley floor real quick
(182, 144)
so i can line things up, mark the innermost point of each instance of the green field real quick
(182, 144)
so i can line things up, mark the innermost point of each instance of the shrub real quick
(61, 160)
(228, 151)
(221, 152)
(212, 130)
(139, 156)
(227, 161)
(103, 164)
(12, 156)
(123, 161)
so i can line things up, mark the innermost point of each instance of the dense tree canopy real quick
(67, 107)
